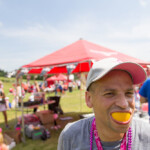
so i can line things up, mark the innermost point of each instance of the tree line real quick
(2, 73)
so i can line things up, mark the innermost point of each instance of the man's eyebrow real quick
(130, 89)
(112, 89)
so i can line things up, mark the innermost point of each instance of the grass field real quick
(73, 105)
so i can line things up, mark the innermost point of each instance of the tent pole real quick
(22, 110)
(80, 95)
(90, 64)
(16, 99)
(80, 89)
(43, 90)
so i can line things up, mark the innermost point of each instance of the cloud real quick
(142, 30)
(144, 3)
(77, 29)
(139, 31)
(48, 33)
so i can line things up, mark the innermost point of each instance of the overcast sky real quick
(31, 29)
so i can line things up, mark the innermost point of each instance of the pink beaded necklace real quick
(97, 139)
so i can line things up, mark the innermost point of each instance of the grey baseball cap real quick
(102, 67)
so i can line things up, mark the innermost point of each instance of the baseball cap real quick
(102, 67)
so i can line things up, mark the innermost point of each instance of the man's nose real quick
(122, 101)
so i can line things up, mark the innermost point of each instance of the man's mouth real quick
(121, 117)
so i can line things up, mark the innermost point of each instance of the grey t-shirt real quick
(76, 136)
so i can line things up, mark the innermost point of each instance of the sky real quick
(31, 29)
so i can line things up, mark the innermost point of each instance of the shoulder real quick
(147, 81)
(77, 126)
(74, 133)
(141, 129)
(140, 134)
(145, 87)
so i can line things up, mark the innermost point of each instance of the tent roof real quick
(81, 50)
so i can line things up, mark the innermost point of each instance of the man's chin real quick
(120, 128)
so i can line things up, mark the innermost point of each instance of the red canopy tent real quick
(56, 70)
(82, 67)
(81, 51)
(54, 78)
(35, 71)
(60, 77)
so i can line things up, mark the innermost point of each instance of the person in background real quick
(3, 107)
(36, 89)
(137, 99)
(44, 84)
(145, 93)
(18, 94)
(56, 88)
(60, 87)
(70, 86)
(8, 105)
(78, 84)
(110, 93)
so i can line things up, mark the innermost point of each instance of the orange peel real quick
(121, 116)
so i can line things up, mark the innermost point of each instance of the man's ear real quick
(88, 98)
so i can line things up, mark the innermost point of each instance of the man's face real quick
(112, 93)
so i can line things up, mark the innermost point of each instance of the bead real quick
(93, 129)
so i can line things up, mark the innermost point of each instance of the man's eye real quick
(109, 94)
(130, 94)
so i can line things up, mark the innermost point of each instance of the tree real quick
(3, 73)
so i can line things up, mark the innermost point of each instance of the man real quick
(145, 93)
(3, 107)
(110, 92)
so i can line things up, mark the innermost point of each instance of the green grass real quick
(73, 105)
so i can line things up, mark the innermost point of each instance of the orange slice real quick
(121, 116)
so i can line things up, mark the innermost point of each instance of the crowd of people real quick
(18, 91)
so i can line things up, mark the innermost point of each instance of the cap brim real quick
(136, 71)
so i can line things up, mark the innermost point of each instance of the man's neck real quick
(109, 138)
(108, 135)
